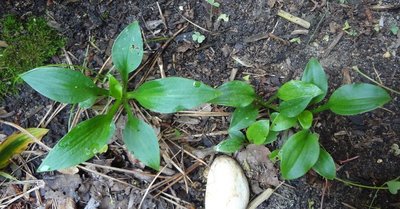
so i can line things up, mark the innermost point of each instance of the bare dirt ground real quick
(362, 146)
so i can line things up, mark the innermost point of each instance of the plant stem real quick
(268, 103)
(130, 95)
(359, 185)
(320, 108)
(114, 108)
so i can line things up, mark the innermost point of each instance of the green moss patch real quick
(30, 44)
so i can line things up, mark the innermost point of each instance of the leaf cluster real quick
(292, 107)
(91, 137)
(297, 103)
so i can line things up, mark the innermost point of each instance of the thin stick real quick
(151, 184)
(372, 80)
(217, 133)
(294, 19)
(194, 24)
(106, 176)
(36, 140)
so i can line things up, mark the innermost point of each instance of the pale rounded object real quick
(227, 186)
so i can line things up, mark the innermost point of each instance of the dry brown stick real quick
(177, 177)
(166, 181)
(333, 44)
(36, 140)
(148, 188)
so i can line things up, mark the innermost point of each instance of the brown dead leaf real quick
(259, 167)
(3, 44)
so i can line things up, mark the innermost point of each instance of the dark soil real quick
(360, 145)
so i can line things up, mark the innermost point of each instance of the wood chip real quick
(260, 198)
(3, 44)
(303, 23)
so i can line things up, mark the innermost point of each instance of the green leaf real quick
(17, 143)
(88, 103)
(297, 89)
(299, 153)
(142, 142)
(115, 87)
(292, 108)
(257, 132)
(235, 94)
(281, 122)
(394, 186)
(172, 94)
(305, 119)
(242, 117)
(315, 74)
(272, 136)
(352, 99)
(80, 144)
(234, 143)
(127, 51)
(325, 166)
(62, 85)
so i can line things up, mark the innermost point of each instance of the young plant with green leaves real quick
(90, 137)
(298, 103)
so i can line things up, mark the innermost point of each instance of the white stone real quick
(227, 185)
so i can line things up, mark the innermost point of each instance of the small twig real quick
(294, 19)
(162, 16)
(36, 140)
(348, 160)
(372, 80)
(333, 44)
(149, 187)
(194, 24)
(218, 133)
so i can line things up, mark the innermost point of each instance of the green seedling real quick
(223, 17)
(295, 40)
(394, 29)
(347, 29)
(293, 106)
(198, 37)
(213, 3)
(90, 137)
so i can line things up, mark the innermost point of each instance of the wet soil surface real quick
(362, 146)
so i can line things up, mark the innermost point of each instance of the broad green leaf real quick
(235, 94)
(172, 94)
(80, 144)
(62, 85)
(17, 143)
(142, 142)
(315, 74)
(296, 89)
(257, 132)
(281, 122)
(127, 51)
(325, 166)
(292, 108)
(352, 99)
(115, 87)
(299, 154)
(242, 117)
(272, 136)
(394, 186)
(305, 119)
(232, 144)
(88, 103)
